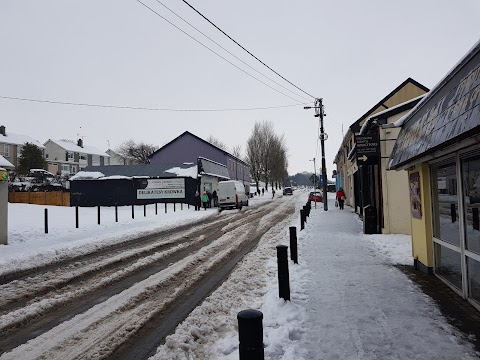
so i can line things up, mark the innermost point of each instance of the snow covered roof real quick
(146, 170)
(5, 162)
(87, 175)
(18, 139)
(73, 147)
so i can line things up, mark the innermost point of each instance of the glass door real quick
(471, 193)
(446, 224)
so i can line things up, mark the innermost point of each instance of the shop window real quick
(471, 190)
(474, 278)
(448, 265)
(445, 204)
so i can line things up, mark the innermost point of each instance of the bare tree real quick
(237, 151)
(218, 143)
(254, 145)
(266, 154)
(136, 152)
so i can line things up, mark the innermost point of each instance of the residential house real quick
(65, 157)
(439, 146)
(11, 145)
(117, 159)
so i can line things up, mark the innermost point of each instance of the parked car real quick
(315, 196)
(231, 195)
(287, 190)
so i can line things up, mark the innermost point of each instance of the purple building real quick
(188, 148)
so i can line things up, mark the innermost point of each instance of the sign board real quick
(162, 189)
(3, 175)
(367, 149)
(314, 179)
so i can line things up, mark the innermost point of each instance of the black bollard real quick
(305, 214)
(156, 208)
(181, 206)
(453, 212)
(144, 210)
(302, 224)
(293, 244)
(250, 335)
(98, 215)
(46, 221)
(116, 213)
(188, 206)
(475, 219)
(133, 211)
(76, 217)
(283, 276)
(165, 208)
(309, 207)
(173, 207)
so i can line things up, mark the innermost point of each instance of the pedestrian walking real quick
(215, 198)
(197, 201)
(273, 193)
(263, 190)
(205, 200)
(209, 194)
(341, 198)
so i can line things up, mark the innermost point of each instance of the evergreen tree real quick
(31, 157)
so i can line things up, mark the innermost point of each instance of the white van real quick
(231, 195)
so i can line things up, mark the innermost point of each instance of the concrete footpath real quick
(363, 305)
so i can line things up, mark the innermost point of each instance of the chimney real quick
(2, 130)
(80, 143)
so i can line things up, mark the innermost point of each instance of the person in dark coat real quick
(197, 201)
(215, 198)
(209, 194)
(341, 198)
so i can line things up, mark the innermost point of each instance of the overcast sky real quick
(117, 52)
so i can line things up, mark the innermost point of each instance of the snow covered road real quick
(94, 305)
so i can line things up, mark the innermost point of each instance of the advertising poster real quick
(162, 189)
(415, 198)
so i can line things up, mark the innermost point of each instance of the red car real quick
(315, 196)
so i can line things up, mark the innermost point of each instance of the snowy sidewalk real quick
(358, 305)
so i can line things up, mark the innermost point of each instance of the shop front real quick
(439, 145)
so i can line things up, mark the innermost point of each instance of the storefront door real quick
(456, 235)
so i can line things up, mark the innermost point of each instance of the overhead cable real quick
(256, 58)
(213, 51)
(143, 108)
(235, 56)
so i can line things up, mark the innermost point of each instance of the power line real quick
(213, 51)
(143, 108)
(235, 56)
(256, 58)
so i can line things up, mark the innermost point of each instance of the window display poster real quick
(415, 198)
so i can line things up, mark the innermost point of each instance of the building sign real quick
(161, 189)
(367, 149)
(415, 198)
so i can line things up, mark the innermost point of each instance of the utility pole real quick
(319, 113)
(314, 182)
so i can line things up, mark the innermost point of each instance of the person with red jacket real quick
(341, 198)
